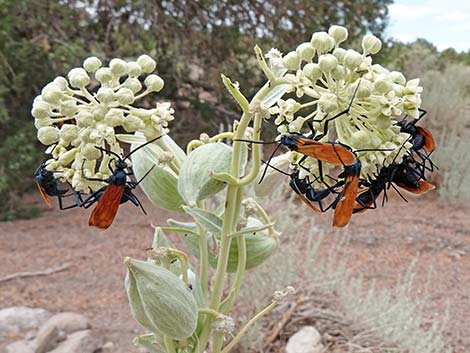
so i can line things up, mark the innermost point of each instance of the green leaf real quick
(275, 94)
(205, 218)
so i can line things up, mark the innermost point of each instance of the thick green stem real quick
(230, 219)
(203, 262)
(241, 266)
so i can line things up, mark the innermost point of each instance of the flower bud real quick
(92, 64)
(371, 44)
(328, 102)
(339, 54)
(118, 66)
(133, 84)
(383, 122)
(159, 300)
(60, 82)
(312, 71)
(104, 74)
(305, 51)
(68, 108)
(147, 63)
(339, 33)
(68, 133)
(154, 83)
(360, 139)
(67, 157)
(379, 69)
(339, 73)
(352, 59)
(52, 94)
(160, 185)
(398, 77)
(41, 109)
(84, 118)
(327, 62)
(322, 42)
(78, 77)
(195, 182)
(365, 89)
(398, 89)
(99, 112)
(383, 84)
(132, 123)
(291, 60)
(114, 117)
(134, 69)
(38, 123)
(90, 152)
(105, 95)
(48, 135)
(124, 96)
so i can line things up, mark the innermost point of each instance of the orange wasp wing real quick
(308, 203)
(423, 188)
(326, 152)
(344, 208)
(304, 199)
(429, 144)
(44, 196)
(103, 214)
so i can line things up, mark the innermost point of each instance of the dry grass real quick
(377, 320)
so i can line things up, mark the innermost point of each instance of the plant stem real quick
(203, 262)
(248, 325)
(232, 209)
(169, 345)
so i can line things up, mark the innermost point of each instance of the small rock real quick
(19, 347)
(17, 318)
(47, 338)
(79, 342)
(306, 340)
(68, 322)
(108, 347)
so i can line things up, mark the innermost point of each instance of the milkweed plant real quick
(186, 308)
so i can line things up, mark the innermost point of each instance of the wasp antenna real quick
(275, 168)
(142, 146)
(267, 164)
(256, 142)
(108, 151)
(376, 150)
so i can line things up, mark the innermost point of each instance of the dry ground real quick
(384, 244)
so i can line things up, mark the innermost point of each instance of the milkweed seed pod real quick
(159, 300)
(259, 246)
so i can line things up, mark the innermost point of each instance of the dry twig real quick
(45, 272)
(285, 318)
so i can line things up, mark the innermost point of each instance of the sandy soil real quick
(384, 243)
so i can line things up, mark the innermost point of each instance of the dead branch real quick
(285, 318)
(45, 272)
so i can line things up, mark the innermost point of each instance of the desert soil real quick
(384, 244)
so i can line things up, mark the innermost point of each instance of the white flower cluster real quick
(74, 120)
(324, 78)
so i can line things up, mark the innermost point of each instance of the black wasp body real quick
(48, 186)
